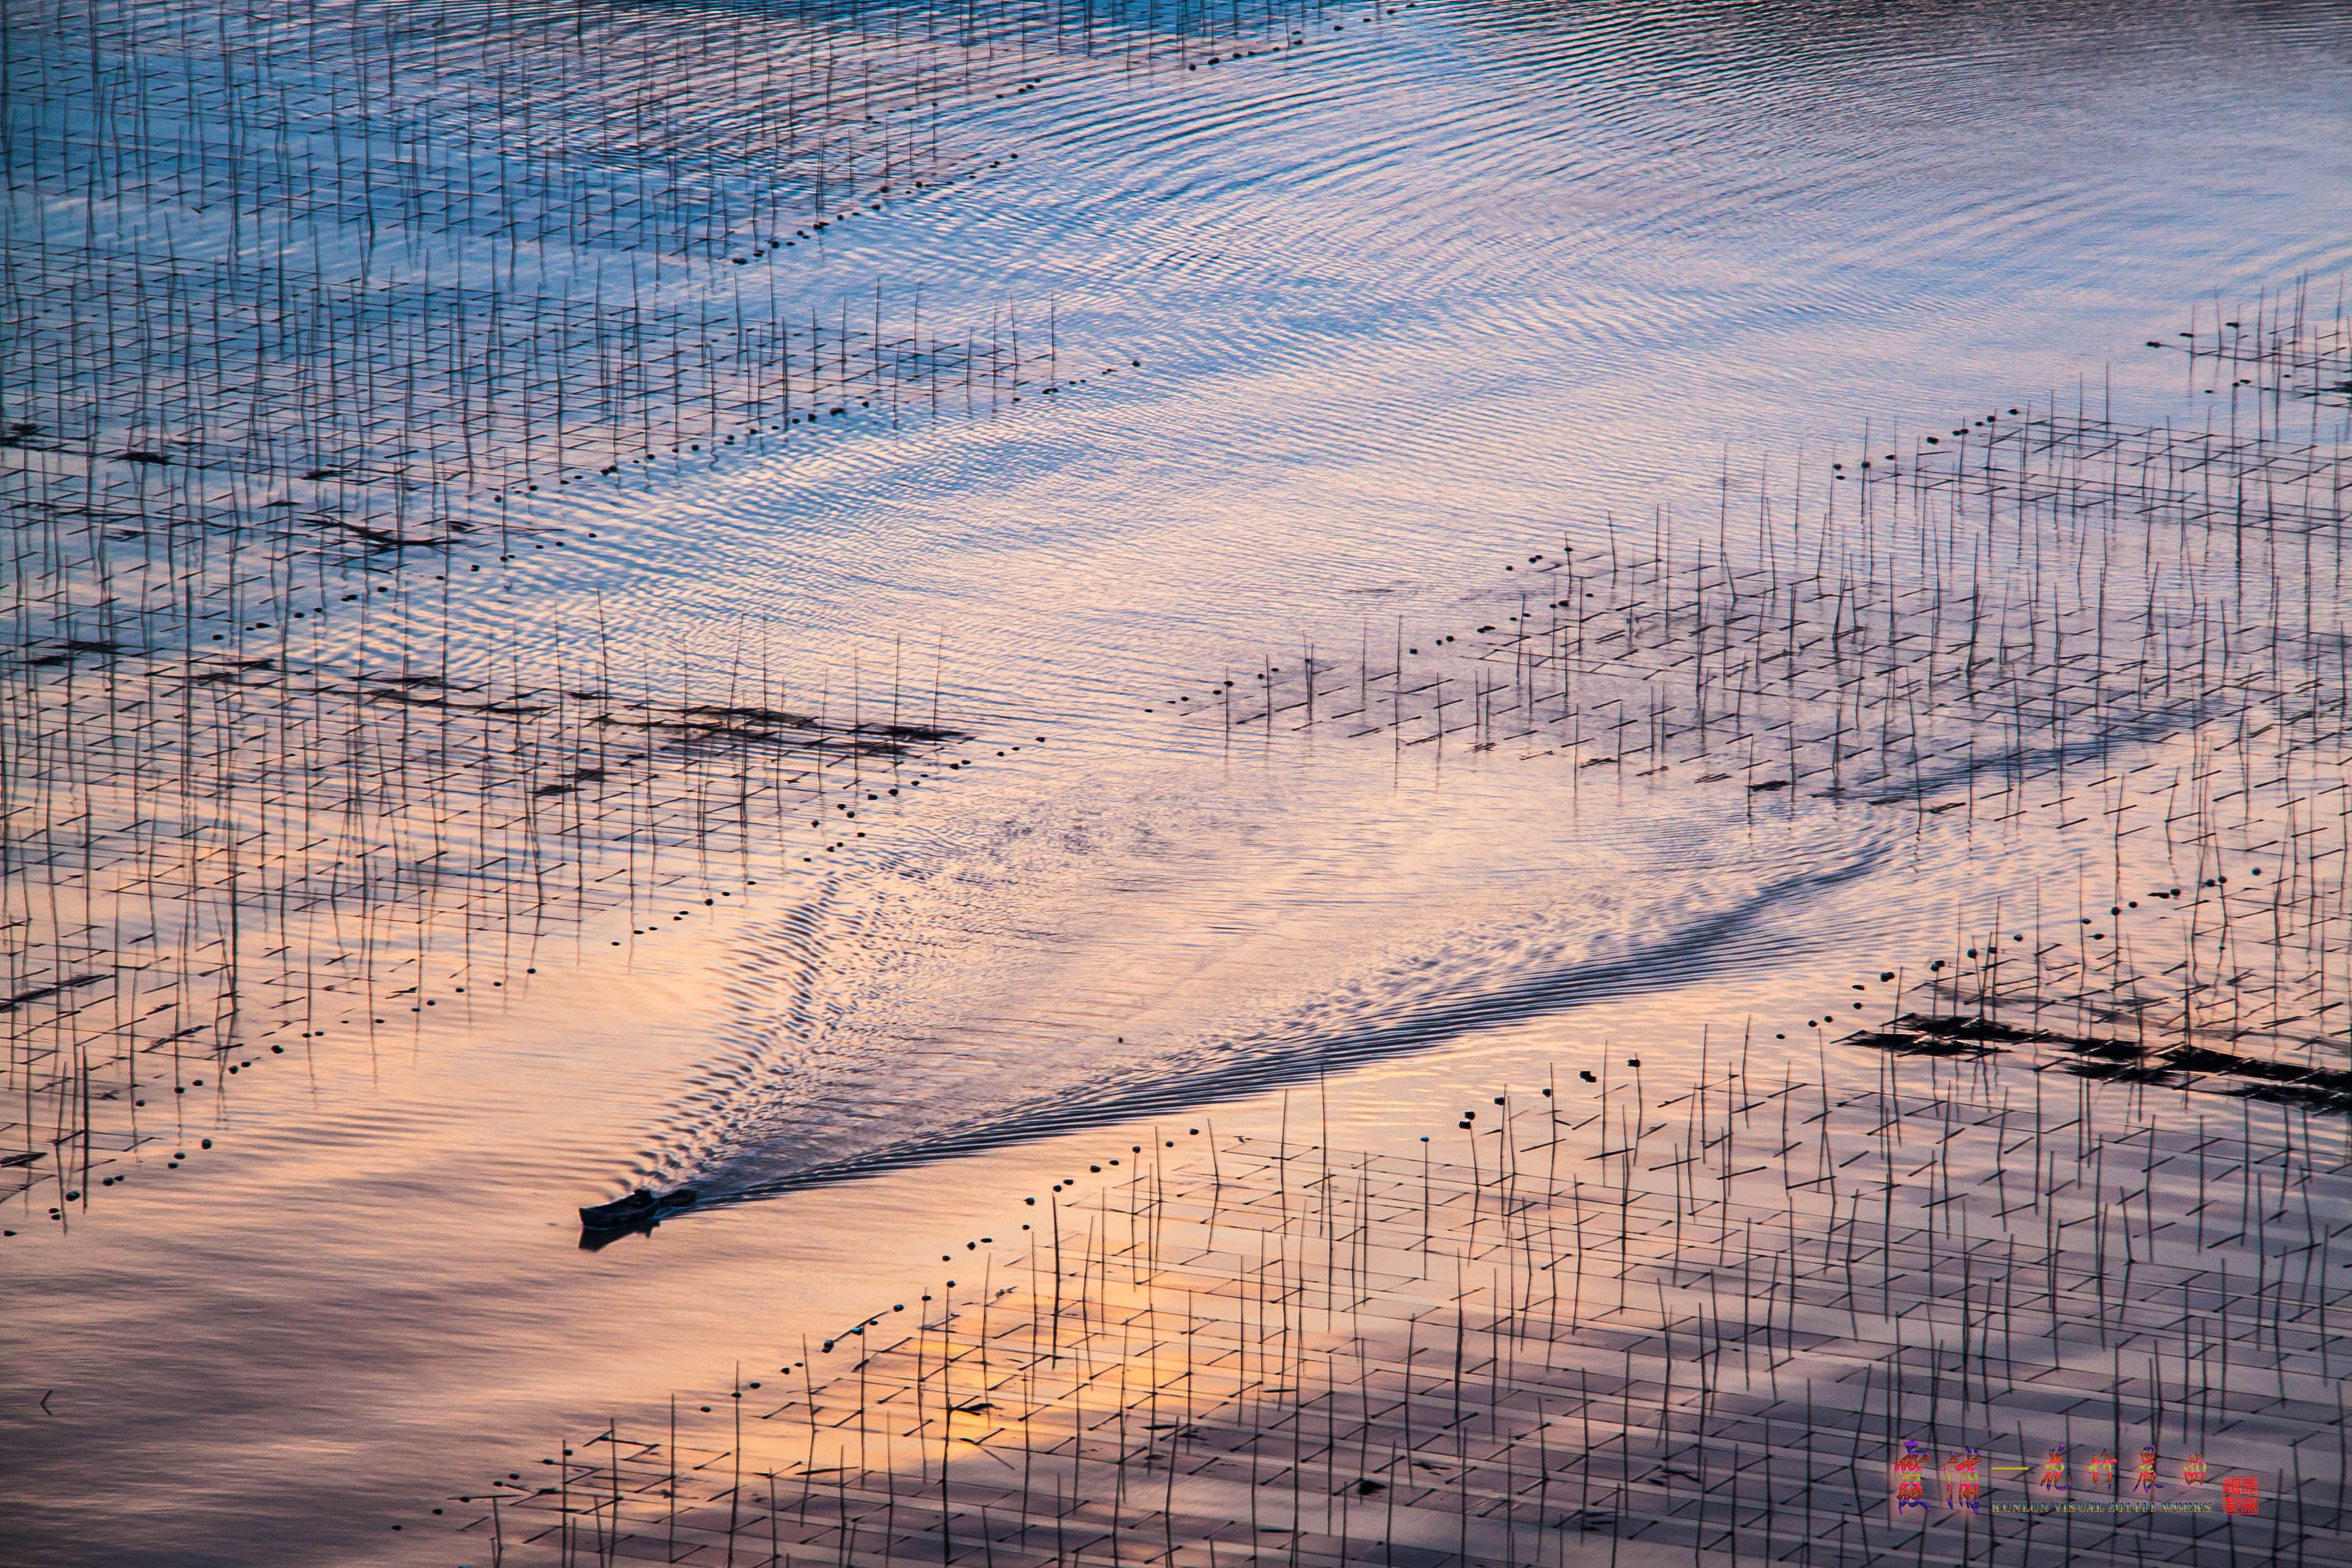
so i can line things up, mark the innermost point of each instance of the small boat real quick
(638, 1208)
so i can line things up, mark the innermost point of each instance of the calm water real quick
(1443, 286)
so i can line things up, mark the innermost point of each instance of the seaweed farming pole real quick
(1649, 1404)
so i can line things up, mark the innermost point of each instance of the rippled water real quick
(1360, 319)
